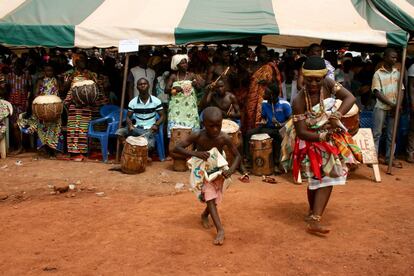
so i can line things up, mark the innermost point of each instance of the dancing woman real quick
(316, 142)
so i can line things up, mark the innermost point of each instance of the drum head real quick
(260, 137)
(82, 83)
(137, 141)
(229, 126)
(47, 99)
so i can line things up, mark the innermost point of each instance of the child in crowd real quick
(209, 170)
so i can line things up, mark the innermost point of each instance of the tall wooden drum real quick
(47, 108)
(134, 155)
(177, 135)
(232, 129)
(262, 154)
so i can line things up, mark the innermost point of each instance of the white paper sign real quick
(128, 45)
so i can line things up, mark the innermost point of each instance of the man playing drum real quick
(141, 118)
(275, 112)
(224, 100)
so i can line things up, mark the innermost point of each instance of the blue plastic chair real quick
(108, 109)
(112, 121)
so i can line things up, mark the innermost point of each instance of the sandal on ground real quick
(245, 178)
(269, 179)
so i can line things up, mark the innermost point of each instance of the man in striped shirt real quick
(142, 115)
(385, 88)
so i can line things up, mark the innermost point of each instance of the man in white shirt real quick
(140, 71)
(142, 115)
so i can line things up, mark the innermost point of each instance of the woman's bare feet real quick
(308, 217)
(315, 227)
(204, 221)
(219, 240)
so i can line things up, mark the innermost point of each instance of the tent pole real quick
(121, 112)
(397, 110)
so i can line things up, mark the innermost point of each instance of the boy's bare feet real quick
(219, 240)
(204, 221)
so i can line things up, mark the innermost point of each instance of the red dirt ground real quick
(142, 226)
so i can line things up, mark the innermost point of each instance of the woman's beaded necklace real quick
(309, 104)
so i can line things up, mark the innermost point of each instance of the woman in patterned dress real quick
(181, 86)
(80, 116)
(316, 143)
(50, 136)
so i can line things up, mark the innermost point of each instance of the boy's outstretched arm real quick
(180, 148)
(236, 160)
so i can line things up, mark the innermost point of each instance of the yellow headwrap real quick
(314, 73)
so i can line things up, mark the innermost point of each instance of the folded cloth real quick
(206, 178)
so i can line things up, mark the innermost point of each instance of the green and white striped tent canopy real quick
(283, 23)
(400, 12)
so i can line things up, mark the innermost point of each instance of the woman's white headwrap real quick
(176, 59)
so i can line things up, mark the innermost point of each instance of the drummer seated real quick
(142, 113)
(275, 113)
